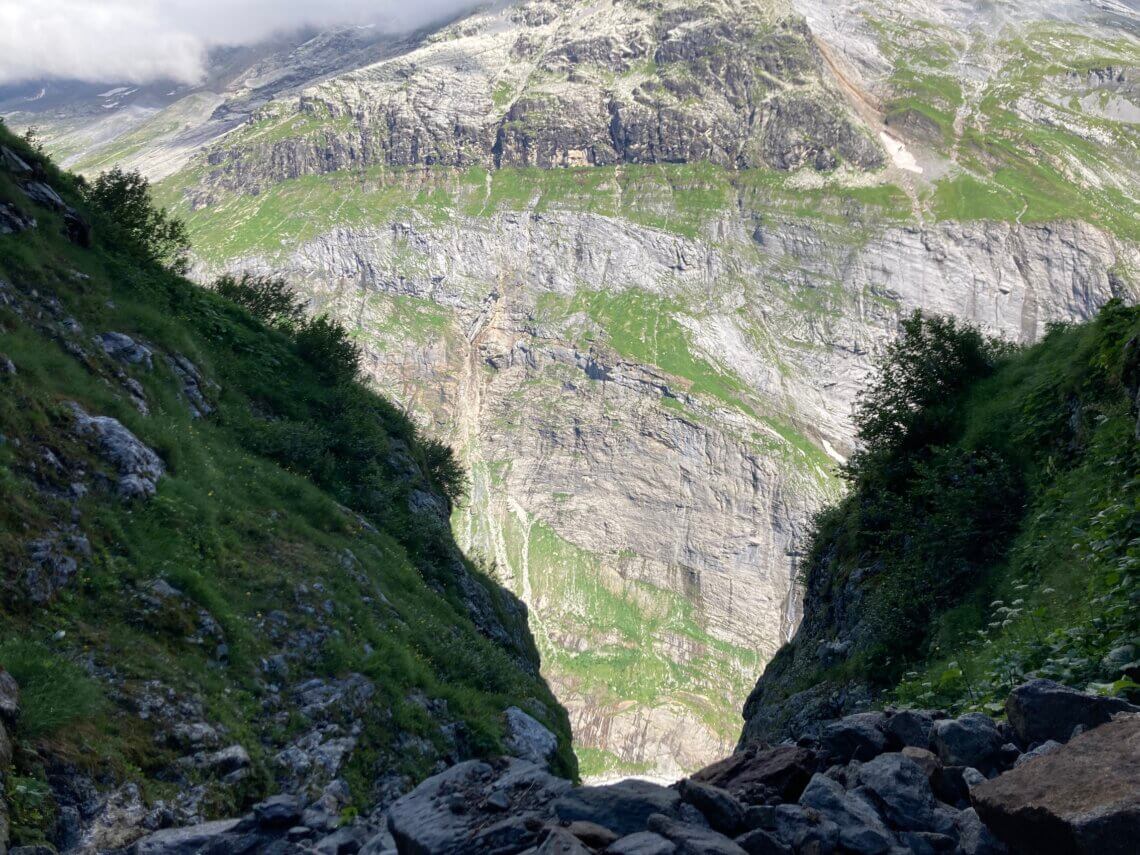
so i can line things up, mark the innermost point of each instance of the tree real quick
(125, 199)
(268, 298)
(923, 369)
(327, 346)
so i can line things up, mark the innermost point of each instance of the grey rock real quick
(593, 835)
(139, 467)
(723, 812)
(44, 194)
(528, 739)
(54, 564)
(909, 728)
(860, 828)
(972, 740)
(927, 842)
(899, 788)
(222, 762)
(856, 737)
(624, 807)
(125, 349)
(761, 842)
(642, 843)
(13, 220)
(806, 829)
(423, 821)
(210, 838)
(9, 699)
(973, 836)
(1047, 747)
(972, 777)
(692, 839)
(343, 841)
(281, 811)
(559, 841)
(1041, 710)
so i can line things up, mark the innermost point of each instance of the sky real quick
(140, 41)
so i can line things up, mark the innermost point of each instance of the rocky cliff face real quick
(650, 518)
(634, 259)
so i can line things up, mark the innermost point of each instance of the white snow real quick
(903, 159)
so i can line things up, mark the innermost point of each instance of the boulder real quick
(972, 740)
(1081, 798)
(123, 348)
(281, 811)
(1041, 710)
(138, 466)
(856, 737)
(908, 728)
(861, 831)
(593, 835)
(559, 841)
(624, 807)
(692, 839)
(757, 770)
(224, 837)
(528, 739)
(927, 842)
(642, 843)
(973, 836)
(806, 829)
(449, 814)
(899, 788)
(723, 812)
(1041, 750)
(761, 842)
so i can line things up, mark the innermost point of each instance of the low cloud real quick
(139, 41)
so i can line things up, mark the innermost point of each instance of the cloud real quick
(138, 41)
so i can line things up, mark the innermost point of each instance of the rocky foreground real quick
(1060, 775)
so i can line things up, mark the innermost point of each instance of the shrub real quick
(445, 469)
(268, 298)
(125, 199)
(933, 360)
(325, 344)
(53, 691)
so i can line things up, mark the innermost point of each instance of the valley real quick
(634, 262)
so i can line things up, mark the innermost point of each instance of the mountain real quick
(635, 259)
(227, 566)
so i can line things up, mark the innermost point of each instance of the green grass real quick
(1043, 563)
(260, 502)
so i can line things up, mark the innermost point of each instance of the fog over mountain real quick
(140, 41)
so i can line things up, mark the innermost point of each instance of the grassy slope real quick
(234, 529)
(1060, 588)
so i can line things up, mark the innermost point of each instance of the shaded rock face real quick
(1081, 798)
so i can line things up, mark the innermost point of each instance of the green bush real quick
(326, 345)
(53, 691)
(268, 298)
(124, 198)
(445, 469)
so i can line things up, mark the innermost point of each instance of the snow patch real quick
(902, 158)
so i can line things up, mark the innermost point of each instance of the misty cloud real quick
(138, 41)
